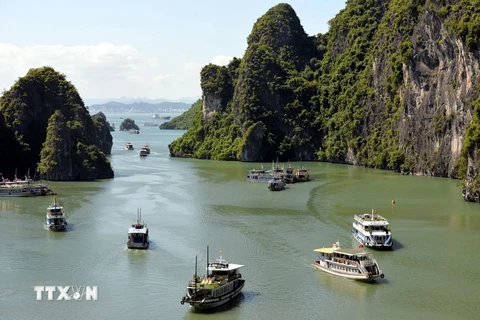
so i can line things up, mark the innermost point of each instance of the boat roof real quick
(345, 251)
(224, 266)
(134, 230)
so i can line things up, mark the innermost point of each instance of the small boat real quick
(302, 175)
(289, 176)
(352, 264)
(56, 218)
(134, 131)
(156, 116)
(150, 124)
(147, 148)
(165, 118)
(259, 175)
(143, 152)
(138, 234)
(220, 285)
(372, 230)
(129, 146)
(276, 184)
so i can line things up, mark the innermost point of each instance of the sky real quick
(139, 49)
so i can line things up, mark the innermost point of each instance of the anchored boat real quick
(221, 284)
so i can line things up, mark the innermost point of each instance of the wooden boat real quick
(221, 284)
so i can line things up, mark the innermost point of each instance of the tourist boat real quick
(289, 176)
(372, 230)
(129, 146)
(56, 218)
(302, 175)
(165, 118)
(134, 131)
(147, 148)
(150, 124)
(22, 188)
(220, 285)
(138, 234)
(355, 264)
(259, 175)
(278, 172)
(276, 184)
(143, 152)
(156, 116)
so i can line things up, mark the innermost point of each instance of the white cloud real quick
(221, 60)
(104, 70)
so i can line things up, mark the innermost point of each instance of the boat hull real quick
(217, 301)
(378, 246)
(136, 245)
(359, 277)
(55, 228)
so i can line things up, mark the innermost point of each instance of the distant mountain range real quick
(93, 101)
(139, 107)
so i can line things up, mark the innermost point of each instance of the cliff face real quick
(51, 123)
(392, 85)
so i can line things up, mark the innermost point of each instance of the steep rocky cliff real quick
(54, 129)
(392, 85)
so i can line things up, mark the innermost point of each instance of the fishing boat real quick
(221, 284)
(129, 146)
(289, 176)
(276, 184)
(259, 175)
(372, 230)
(355, 264)
(56, 218)
(138, 234)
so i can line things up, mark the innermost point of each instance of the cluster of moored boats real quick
(278, 177)
(144, 151)
(370, 230)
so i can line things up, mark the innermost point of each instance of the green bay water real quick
(432, 273)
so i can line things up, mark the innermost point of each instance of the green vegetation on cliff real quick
(128, 124)
(50, 122)
(185, 120)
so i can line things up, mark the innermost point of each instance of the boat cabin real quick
(138, 233)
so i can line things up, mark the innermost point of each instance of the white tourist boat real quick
(221, 284)
(22, 188)
(56, 218)
(276, 184)
(355, 264)
(138, 234)
(259, 175)
(372, 230)
(129, 146)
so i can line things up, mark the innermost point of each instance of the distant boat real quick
(165, 118)
(150, 124)
(302, 175)
(220, 285)
(56, 218)
(22, 188)
(143, 152)
(147, 148)
(138, 234)
(129, 146)
(134, 131)
(156, 116)
(259, 175)
(276, 184)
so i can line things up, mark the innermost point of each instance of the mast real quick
(195, 292)
(207, 260)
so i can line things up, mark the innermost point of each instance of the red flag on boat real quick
(360, 246)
